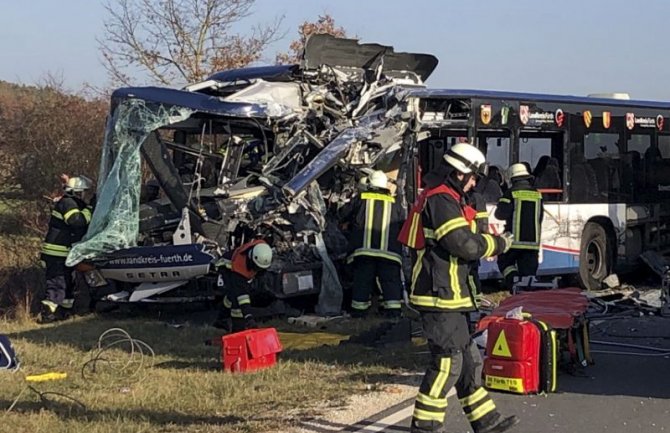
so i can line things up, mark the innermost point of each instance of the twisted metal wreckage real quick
(272, 151)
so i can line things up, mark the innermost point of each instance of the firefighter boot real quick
(500, 426)
(51, 312)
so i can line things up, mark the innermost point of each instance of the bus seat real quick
(550, 178)
(600, 168)
(631, 172)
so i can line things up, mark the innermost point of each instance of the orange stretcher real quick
(558, 307)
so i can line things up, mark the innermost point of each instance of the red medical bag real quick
(521, 356)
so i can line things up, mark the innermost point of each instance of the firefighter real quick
(521, 209)
(67, 225)
(376, 251)
(439, 230)
(237, 270)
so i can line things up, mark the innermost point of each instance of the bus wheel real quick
(595, 257)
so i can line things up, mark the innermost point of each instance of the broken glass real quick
(115, 221)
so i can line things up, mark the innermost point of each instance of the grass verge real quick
(185, 390)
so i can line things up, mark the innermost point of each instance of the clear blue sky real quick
(567, 46)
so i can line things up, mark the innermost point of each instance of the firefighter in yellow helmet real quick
(439, 228)
(68, 224)
(521, 209)
(375, 251)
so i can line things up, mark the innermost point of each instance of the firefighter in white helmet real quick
(441, 229)
(237, 270)
(522, 210)
(68, 224)
(375, 218)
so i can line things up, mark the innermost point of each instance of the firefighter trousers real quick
(236, 302)
(366, 271)
(455, 361)
(517, 263)
(59, 291)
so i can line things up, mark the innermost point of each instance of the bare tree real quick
(324, 24)
(179, 41)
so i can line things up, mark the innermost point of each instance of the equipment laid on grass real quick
(521, 356)
(249, 350)
(8, 358)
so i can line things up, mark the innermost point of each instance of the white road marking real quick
(394, 418)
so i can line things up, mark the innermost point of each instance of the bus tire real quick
(595, 257)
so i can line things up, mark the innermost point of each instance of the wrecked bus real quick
(277, 151)
(265, 151)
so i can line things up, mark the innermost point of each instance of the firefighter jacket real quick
(238, 261)
(236, 272)
(67, 225)
(476, 200)
(521, 209)
(376, 223)
(452, 243)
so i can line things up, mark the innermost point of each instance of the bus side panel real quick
(562, 229)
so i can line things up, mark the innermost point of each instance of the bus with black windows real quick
(602, 164)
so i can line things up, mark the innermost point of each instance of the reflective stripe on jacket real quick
(521, 209)
(376, 225)
(441, 270)
(67, 225)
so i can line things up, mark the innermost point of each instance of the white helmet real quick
(378, 179)
(77, 184)
(261, 254)
(518, 170)
(466, 158)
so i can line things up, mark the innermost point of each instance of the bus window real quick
(602, 154)
(663, 147)
(544, 153)
(532, 149)
(633, 165)
(496, 149)
(657, 161)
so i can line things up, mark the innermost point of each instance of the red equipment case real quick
(250, 350)
(521, 356)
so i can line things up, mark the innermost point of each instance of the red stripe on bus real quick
(560, 249)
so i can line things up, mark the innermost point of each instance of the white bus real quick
(602, 164)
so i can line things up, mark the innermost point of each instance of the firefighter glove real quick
(508, 238)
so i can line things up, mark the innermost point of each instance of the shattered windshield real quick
(115, 223)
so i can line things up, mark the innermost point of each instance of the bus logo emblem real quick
(607, 119)
(588, 117)
(504, 115)
(659, 122)
(559, 117)
(630, 120)
(524, 114)
(485, 114)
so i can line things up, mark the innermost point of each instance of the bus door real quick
(497, 147)
(544, 153)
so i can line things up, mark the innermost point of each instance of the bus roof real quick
(494, 94)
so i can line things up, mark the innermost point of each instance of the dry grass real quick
(185, 391)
